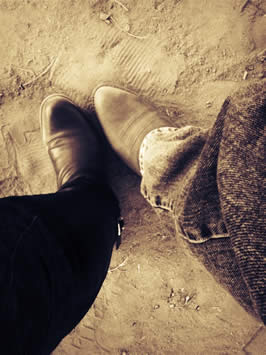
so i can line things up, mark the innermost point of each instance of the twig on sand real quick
(49, 66)
(245, 75)
(122, 5)
(118, 266)
(244, 349)
(112, 19)
(244, 5)
(54, 66)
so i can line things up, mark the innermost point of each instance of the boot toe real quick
(56, 114)
(103, 96)
(111, 101)
(52, 103)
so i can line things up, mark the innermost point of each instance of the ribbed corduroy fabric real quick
(212, 184)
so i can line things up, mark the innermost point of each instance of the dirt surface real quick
(185, 56)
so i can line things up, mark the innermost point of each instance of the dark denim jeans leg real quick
(55, 252)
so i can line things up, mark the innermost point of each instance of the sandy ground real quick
(185, 56)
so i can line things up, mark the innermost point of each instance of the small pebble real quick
(187, 299)
(127, 27)
(156, 306)
(104, 16)
(250, 67)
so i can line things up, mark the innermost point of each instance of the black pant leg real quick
(56, 256)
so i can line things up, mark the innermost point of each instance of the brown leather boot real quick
(125, 120)
(72, 142)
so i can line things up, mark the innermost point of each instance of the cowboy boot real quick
(125, 120)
